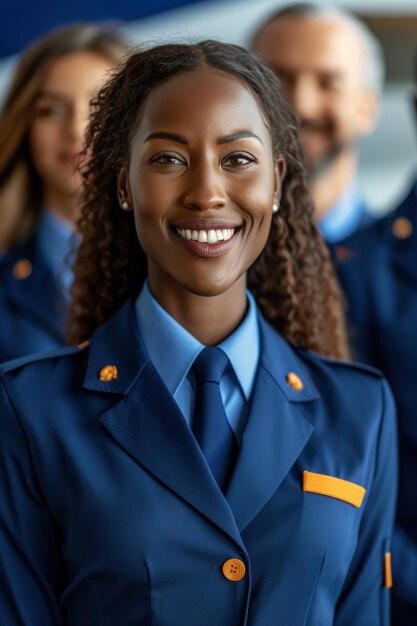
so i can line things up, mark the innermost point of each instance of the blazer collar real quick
(402, 251)
(280, 359)
(147, 418)
(118, 342)
(407, 214)
(37, 293)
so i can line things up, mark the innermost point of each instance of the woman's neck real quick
(67, 208)
(210, 319)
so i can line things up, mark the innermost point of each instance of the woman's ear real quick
(123, 190)
(280, 171)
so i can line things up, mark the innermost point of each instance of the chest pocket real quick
(333, 487)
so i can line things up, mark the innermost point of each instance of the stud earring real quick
(124, 205)
(275, 207)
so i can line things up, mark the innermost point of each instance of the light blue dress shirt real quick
(57, 244)
(345, 217)
(173, 350)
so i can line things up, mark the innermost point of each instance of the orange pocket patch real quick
(334, 488)
(388, 570)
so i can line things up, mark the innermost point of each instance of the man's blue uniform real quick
(378, 271)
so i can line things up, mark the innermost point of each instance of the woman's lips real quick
(210, 236)
(205, 224)
(73, 159)
(206, 238)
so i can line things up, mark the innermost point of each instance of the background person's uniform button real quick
(402, 228)
(22, 269)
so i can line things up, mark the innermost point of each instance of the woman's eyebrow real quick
(240, 134)
(51, 95)
(166, 135)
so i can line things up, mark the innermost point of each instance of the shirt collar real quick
(164, 337)
(344, 217)
(56, 241)
(244, 341)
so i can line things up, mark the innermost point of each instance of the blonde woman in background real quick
(41, 134)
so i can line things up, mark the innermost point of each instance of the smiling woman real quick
(210, 172)
(192, 463)
(174, 180)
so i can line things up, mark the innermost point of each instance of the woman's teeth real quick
(207, 236)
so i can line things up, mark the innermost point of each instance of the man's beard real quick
(318, 166)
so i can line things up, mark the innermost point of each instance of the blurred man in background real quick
(332, 68)
(378, 271)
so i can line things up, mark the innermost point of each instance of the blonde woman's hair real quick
(20, 186)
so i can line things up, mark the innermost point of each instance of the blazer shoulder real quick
(408, 206)
(398, 228)
(350, 367)
(357, 245)
(26, 249)
(353, 385)
(18, 263)
(26, 362)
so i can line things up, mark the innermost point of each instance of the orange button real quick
(402, 228)
(234, 569)
(342, 253)
(22, 269)
(108, 373)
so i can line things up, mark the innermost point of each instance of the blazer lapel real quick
(276, 432)
(37, 295)
(402, 250)
(148, 424)
(404, 261)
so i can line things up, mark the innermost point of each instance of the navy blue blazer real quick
(109, 513)
(32, 305)
(378, 272)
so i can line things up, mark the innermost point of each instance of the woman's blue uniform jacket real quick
(378, 272)
(32, 305)
(109, 514)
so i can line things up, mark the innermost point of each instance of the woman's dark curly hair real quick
(292, 280)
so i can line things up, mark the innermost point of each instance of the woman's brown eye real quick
(167, 159)
(50, 111)
(239, 159)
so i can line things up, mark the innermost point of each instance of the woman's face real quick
(60, 116)
(201, 181)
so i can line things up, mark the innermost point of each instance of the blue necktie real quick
(210, 425)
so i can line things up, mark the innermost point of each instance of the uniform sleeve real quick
(365, 598)
(405, 567)
(32, 574)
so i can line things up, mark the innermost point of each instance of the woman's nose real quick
(206, 189)
(77, 124)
